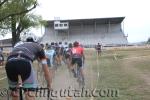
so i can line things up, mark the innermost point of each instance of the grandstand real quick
(107, 31)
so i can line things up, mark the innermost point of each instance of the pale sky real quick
(136, 13)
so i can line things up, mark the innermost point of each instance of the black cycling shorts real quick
(77, 60)
(17, 67)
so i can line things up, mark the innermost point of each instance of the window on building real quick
(56, 25)
(61, 25)
(65, 25)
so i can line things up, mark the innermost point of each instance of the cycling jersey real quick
(98, 47)
(68, 53)
(19, 63)
(77, 52)
(31, 50)
(50, 57)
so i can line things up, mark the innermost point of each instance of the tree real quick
(17, 17)
(6, 11)
(148, 41)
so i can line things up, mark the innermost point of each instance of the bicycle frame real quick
(20, 87)
(79, 76)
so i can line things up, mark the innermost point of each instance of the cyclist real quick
(65, 49)
(19, 62)
(50, 54)
(60, 53)
(68, 53)
(78, 57)
(56, 46)
(42, 45)
(1, 57)
(46, 46)
(99, 49)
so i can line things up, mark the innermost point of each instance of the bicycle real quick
(78, 74)
(20, 87)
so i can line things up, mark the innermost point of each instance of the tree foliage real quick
(10, 8)
(16, 17)
(148, 41)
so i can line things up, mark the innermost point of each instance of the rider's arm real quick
(46, 72)
(83, 56)
(43, 61)
(82, 52)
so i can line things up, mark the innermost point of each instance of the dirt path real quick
(65, 84)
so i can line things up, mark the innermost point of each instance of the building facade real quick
(107, 31)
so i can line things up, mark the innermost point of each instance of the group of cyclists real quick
(51, 55)
(68, 54)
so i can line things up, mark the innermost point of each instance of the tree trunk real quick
(13, 29)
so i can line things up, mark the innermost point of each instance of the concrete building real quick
(107, 31)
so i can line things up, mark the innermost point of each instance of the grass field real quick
(124, 70)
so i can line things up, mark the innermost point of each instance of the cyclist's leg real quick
(13, 69)
(55, 62)
(61, 57)
(98, 52)
(30, 85)
(57, 59)
(12, 79)
(67, 61)
(30, 94)
(1, 60)
(15, 94)
(52, 60)
(73, 66)
(81, 72)
(51, 67)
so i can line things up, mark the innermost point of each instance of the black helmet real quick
(76, 44)
(70, 45)
(30, 39)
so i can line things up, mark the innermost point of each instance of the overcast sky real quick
(136, 13)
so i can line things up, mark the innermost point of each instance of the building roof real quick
(6, 42)
(111, 20)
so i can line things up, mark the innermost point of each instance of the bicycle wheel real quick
(80, 78)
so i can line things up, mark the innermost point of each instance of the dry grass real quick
(125, 69)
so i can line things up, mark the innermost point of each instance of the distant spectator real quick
(1, 49)
(98, 49)
(1, 56)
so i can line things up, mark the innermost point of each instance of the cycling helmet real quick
(60, 42)
(70, 45)
(76, 44)
(30, 39)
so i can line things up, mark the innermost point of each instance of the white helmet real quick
(29, 36)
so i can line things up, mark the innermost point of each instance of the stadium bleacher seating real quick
(88, 35)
